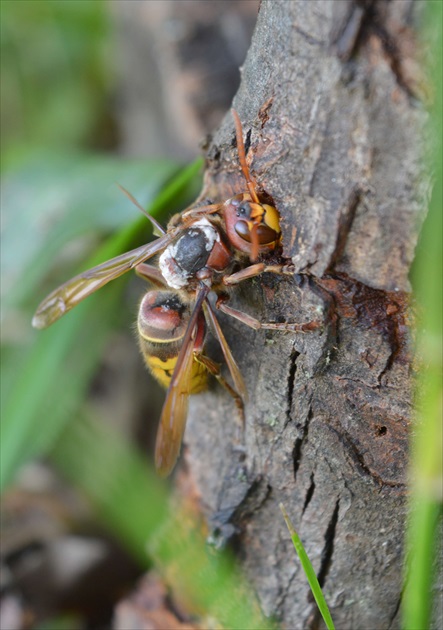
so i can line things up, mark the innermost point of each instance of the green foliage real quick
(426, 464)
(66, 622)
(55, 73)
(309, 572)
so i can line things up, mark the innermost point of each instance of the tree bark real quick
(329, 101)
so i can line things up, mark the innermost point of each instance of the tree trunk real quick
(329, 105)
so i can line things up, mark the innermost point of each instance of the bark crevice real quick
(291, 382)
(298, 444)
(325, 563)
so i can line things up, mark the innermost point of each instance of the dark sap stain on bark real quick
(386, 312)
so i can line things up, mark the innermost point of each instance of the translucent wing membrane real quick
(78, 288)
(173, 419)
(175, 409)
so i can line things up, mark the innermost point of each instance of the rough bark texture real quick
(329, 104)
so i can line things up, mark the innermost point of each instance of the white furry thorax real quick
(175, 276)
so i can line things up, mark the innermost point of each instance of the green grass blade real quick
(426, 454)
(309, 572)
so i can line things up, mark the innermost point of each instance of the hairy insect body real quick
(162, 321)
(162, 368)
(205, 248)
(198, 251)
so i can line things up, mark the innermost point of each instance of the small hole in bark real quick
(380, 430)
